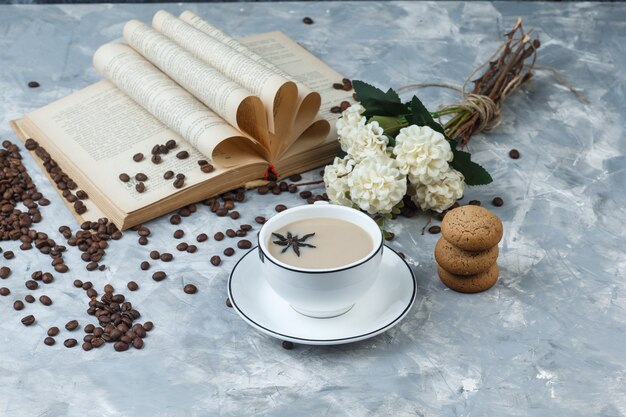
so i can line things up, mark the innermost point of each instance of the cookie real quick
(472, 228)
(462, 262)
(470, 283)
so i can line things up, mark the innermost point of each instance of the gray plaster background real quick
(548, 339)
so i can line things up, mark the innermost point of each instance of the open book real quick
(242, 105)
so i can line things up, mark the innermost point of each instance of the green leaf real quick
(474, 173)
(377, 102)
(390, 125)
(341, 154)
(421, 116)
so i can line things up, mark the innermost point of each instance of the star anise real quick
(294, 242)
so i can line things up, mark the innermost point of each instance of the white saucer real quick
(384, 305)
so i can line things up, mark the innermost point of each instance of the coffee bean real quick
(155, 255)
(9, 255)
(89, 328)
(514, 154)
(45, 300)
(234, 215)
(276, 190)
(70, 343)
(229, 251)
(344, 105)
(145, 265)
(287, 345)
(180, 176)
(190, 289)
(182, 246)
(263, 190)
(138, 157)
(179, 183)
(29, 298)
(168, 175)
(132, 286)
(141, 176)
(280, 207)
(53, 331)
(108, 289)
(218, 236)
(434, 230)
(498, 202)
(338, 86)
(175, 219)
(159, 276)
(31, 285)
(244, 244)
(138, 343)
(295, 177)
(71, 325)
(61, 268)
(156, 159)
(97, 342)
(49, 341)
(4, 291)
(230, 233)
(202, 237)
(28, 320)
(246, 227)
(240, 233)
(208, 168)
(120, 346)
(259, 219)
(389, 236)
(293, 188)
(47, 278)
(182, 155)
(192, 249)
(33, 84)
(170, 144)
(147, 326)
(91, 266)
(140, 187)
(5, 272)
(143, 241)
(82, 195)
(474, 203)
(307, 21)
(87, 285)
(167, 257)
(229, 304)
(216, 260)
(87, 346)
(335, 109)
(347, 84)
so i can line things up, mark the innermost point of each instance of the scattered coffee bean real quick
(78, 283)
(234, 215)
(33, 84)
(45, 300)
(216, 260)
(347, 84)
(218, 236)
(389, 236)
(276, 190)
(263, 190)
(190, 289)
(338, 86)
(143, 241)
(434, 230)
(141, 176)
(5, 272)
(155, 255)
(140, 187)
(147, 326)
(156, 159)
(71, 325)
(192, 249)
(47, 278)
(145, 265)
(230, 233)
(108, 289)
(229, 304)
(28, 320)
(280, 207)
(4, 291)
(167, 257)
(82, 195)
(498, 202)
(179, 183)
(53, 331)
(202, 237)
(287, 345)
(120, 346)
(514, 154)
(159, 276)
(344, 105)
(182, 155)
(49, 341)
(335, 109)
(293, 188)
(259, 219)
(31, 285)
(70, 343)
(182, 246)
(9, 254)
(208, 168)
(87, 346)
(175, 219)
(29, 298)
(229, 251)
(138, 343)
(61, 268)
(244, 244)
(89, 328)
(295, 177)
(170, 144)
(132, 286)
(245, 227)
(307, 21)
(168, 175)
(87, 285)
(138, 157)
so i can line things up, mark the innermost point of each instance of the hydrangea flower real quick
(440, 195)
(422, 153)
(376, 184)
(336, 181)
(358, 139)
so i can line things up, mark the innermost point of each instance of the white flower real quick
(422, 153)
(440, 195)
(376, 184)
(357, 139)
(336, 181)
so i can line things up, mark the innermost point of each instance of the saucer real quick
(381, 308)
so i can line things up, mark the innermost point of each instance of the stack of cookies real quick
(468, 250)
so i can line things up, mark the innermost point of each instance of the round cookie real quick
(462, 262)
(470, 283)
(472, 228)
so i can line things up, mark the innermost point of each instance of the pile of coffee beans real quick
(92, 240)
(59, 177)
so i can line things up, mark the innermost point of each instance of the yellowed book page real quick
(93, 134)
(292, 58)
(275, 91)
(309, 100)
(226, 98)
(172, 105)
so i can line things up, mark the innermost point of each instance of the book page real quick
(229, 100)
(309, 101)
(172, 105)
(279, 95)
(94, 133)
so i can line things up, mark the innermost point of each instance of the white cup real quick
(321, 293)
